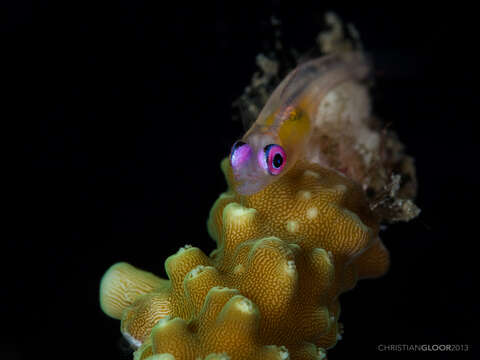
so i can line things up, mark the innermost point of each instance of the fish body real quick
(283, 132)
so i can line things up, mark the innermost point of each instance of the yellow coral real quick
(270, 290)
(227, 323)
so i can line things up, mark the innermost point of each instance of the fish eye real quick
(239, 154)
(275, 157)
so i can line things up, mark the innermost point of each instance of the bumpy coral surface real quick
(270, 290)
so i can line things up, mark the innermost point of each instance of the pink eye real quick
(240, 153)
(275, 158)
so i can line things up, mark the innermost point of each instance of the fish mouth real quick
(248, 184)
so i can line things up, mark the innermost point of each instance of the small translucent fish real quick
(282, 133)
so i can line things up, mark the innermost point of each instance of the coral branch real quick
(270, 290)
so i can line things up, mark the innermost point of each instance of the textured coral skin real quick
(270, 289)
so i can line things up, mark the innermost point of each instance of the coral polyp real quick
(271, 288)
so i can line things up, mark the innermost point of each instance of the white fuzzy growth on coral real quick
(237, 213)
(304, 195)
(163, 322)
(321, 353)
(195, 271)
(135, 343)
(239, 269)
(292, 226)
(290, 267)
(245, 306)
(183, 248)
(312, 213)
(283, 352)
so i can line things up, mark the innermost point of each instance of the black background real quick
(122, 113)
